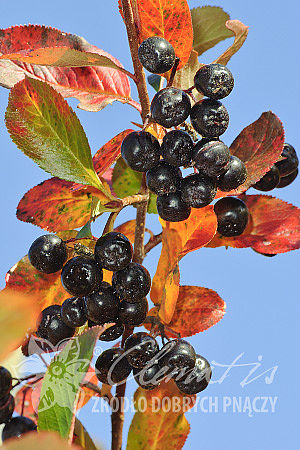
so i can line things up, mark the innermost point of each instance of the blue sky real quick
(262, 294)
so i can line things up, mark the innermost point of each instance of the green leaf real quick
(61, 385)
(184, 77)
(82, 437)
(209, 27)
(45, 128)
(85, 231)
(126, 182)
(154, 81)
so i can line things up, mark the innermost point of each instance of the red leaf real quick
(54, 206)
(197, 309)
(94, 87)
(168, 19)
(274, 226)
(259, 145)
(179, 239)
(32, 397)
(109, 153)
(46, 289)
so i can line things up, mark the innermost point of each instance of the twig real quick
(131, 23)
(139, 73)
(137, 198)
(117, 416)
(138, 254)
(153, 242)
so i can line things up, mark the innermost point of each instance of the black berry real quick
(156, 54)
(132, 283)
(235, 174)
(102, 306)
(170, 107)
(290, 163)
(7, 406)
(48, 253)
(211, 158)
(149, 377)
(172, 208)
(286, 181)
(232, 215)
(44, 319)
(177, 147)
(51, 326)
(139, 349)
(81, 276)
(177, 355)
(112, 366)
(163, 178)
(133, 314)
(198, 190)
(210, 118)
(214, 81)
(269, 181)
(112, 333)
(5, 382)
(18, 426)
(113, 251)
(140, 150)
(73, 312)
(198, 379)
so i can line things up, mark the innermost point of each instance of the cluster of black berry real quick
(210, 157)
(123, 303)
(16, 426)
(282, 173)
(177, 359)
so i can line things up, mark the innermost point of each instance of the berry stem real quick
(109, 226)
(173, 72)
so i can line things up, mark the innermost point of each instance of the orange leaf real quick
(156, 426)
(197, 309)
(179, 238)
(127, 228)
(38, 441)
(274, 226)
(18, 312)
(168, 19)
